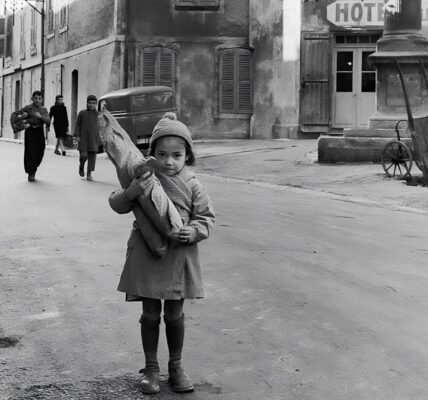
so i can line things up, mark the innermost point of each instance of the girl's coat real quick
(177, 274)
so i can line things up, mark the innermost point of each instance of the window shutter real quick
(227, 81)
(149, 67)
(186, 3)
(245, 83)
(315, 81)
(166, 69)
(198, 4)
(208, 3)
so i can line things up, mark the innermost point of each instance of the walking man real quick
(33, 117)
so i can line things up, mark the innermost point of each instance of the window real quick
(63, 17)
(158, 67)
(33, 32)
(236, 81)
(197, 4)
(50, 15)
(22, 38)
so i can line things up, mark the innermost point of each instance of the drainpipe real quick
(126, 49)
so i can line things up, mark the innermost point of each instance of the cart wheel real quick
(397, 159)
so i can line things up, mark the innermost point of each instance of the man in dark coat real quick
(32, 118)
(86, 132)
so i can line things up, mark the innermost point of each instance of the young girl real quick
(177, 275)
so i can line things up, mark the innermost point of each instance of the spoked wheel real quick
(397, 160)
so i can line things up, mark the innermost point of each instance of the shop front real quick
(338, 83)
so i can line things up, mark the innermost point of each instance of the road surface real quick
(308, 296)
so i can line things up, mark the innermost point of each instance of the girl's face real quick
(60, 100)
(170, 152)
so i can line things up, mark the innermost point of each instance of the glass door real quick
(354, 89)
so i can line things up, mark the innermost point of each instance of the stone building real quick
(224, 59)
(239, 68)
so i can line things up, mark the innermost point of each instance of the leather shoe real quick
(31, 177)
(178, 380)
(89, 177)
(150, 381)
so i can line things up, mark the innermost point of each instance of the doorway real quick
(354, 81)
(74, 96)
(17, 95)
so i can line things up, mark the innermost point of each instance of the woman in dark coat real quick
(86, 132)
(60, 122)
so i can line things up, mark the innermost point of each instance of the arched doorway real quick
(74, 96)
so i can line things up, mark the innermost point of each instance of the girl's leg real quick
(174, 328)
(150, 321)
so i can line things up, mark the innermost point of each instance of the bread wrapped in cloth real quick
(156, 215)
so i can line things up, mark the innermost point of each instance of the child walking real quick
(86, 132)
(177, 275)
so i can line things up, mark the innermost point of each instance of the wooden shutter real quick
(167, 68)
(236, 81)
(149, 67)
(186, 3)
(315, 82)
(198, 4)
(227, 81)
(245, 81)
(158, 67)
(208, 3)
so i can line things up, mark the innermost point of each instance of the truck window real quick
(152, 102)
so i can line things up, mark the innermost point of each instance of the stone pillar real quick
(402, 40)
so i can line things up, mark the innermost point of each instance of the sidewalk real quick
(294, 163)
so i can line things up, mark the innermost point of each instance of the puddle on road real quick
(10, 341)
(112, 388)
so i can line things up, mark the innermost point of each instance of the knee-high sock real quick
(150, 339)
(174, 336)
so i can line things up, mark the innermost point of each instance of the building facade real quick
(239, 69)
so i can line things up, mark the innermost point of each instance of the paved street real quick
(311, 293)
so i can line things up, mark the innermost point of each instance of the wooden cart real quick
(397, 157)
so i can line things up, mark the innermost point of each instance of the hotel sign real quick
(365, 12)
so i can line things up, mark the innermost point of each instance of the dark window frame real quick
(202, 5)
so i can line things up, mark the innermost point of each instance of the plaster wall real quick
(196, 36)
(275, 35)
(160, 18)
(99, 73)
(88, 22)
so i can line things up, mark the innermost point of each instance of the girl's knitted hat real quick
(171, 127)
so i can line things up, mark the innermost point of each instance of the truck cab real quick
(138, 109)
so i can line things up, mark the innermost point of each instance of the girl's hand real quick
(186, 234)
(140, 186)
